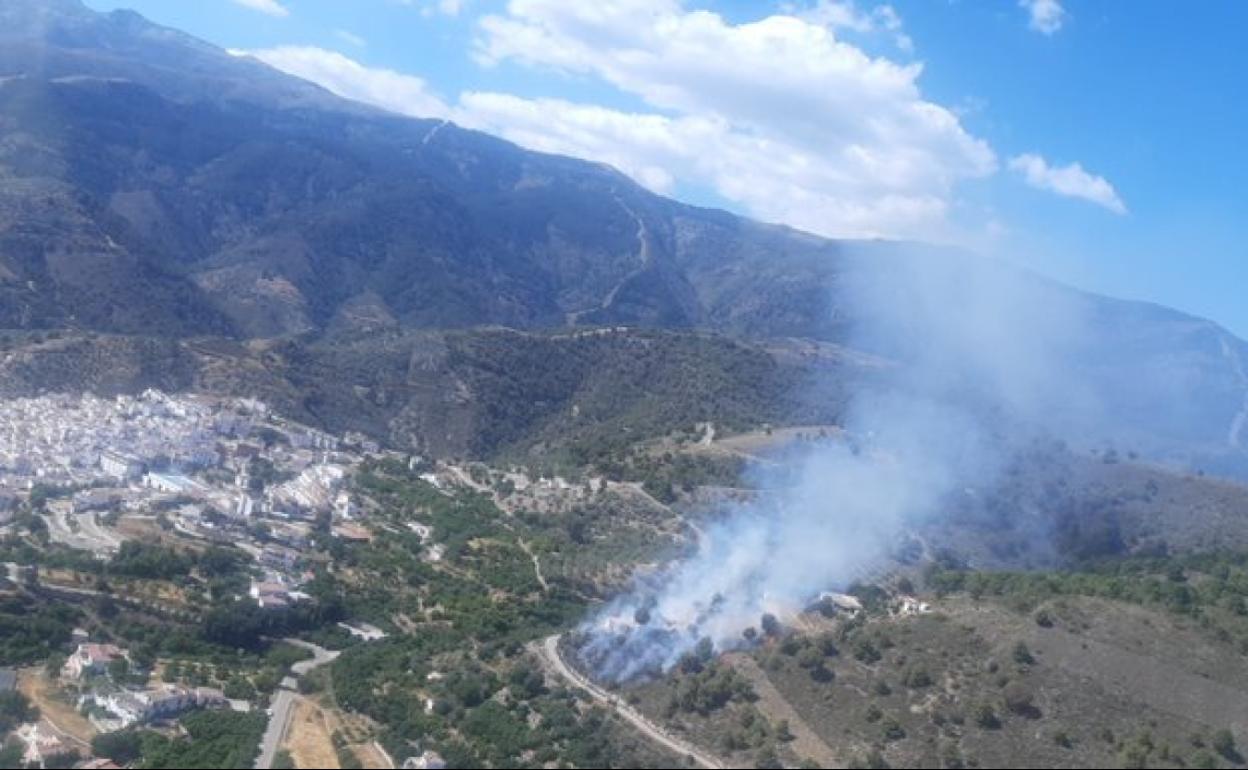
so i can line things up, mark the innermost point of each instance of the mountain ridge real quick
(154, 185)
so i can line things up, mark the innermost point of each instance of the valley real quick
(476, 574)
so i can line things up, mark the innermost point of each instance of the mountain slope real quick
(470, 393)
(154, 185)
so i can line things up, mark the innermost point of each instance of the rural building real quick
(91, 659)
(150, 705)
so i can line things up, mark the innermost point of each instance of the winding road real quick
(282, 708)
(644, 257)
(549, 652)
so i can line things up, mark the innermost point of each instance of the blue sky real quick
(1097, 142)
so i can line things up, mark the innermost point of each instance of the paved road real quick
(320, 656)
(283, 703)
(282, 707)
(549, 650)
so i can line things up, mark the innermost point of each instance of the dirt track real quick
(805, 742)
(60, 716)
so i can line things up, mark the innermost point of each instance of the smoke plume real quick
(980, 352)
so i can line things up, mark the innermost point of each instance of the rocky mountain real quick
(154, 187)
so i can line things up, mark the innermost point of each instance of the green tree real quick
(118, 668)
(1223, 742)
(123, 746)
(15, 708)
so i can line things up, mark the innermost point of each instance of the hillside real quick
(464, 393)
(156, 186)
(970, 683)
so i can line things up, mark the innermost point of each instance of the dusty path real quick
(537, 564)
(643, 254)
(549, 652)
(645, 261)
(465, 478)
(636, 489)
(60, 716)
(806, 743)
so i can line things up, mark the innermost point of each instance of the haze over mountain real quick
(156, 187)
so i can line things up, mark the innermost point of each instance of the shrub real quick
(986, 716)
(1022, 654)
(1019, 699)
(1223, 742)
(892, 730)
(917, 678)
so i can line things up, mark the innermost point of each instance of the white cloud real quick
(271, 7)
(1044, 16)
(845, 14)
(431, 7)
(778, 115)
(647, 147)
(1071, 181)
(395, 91)
(771, 180)
(347, 36)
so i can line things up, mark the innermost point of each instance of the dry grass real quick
(756, 444)
(370, 757)
(160, 591)
(148, 531)
(308, 740)
(359, 732)
(57, 712)
(66, 577)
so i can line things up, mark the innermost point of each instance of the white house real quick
(429, 760)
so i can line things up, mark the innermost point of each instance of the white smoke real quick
(983, 350)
